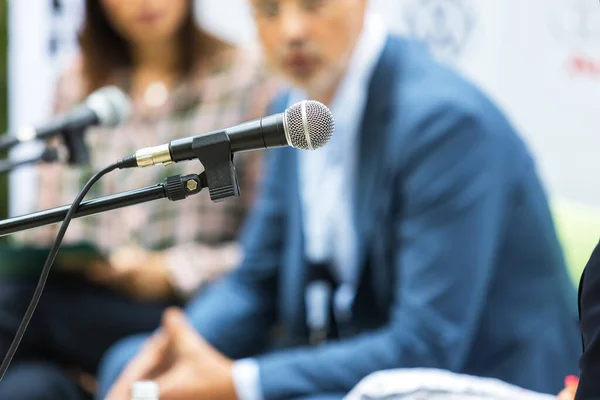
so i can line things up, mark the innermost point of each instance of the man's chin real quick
(311, 85)
(301, 81)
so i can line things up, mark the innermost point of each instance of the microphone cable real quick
(47, 266)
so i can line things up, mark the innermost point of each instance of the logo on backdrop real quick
(576, 25)
(445, 26)
(575, 22)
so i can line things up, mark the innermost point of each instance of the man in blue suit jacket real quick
(423, 225)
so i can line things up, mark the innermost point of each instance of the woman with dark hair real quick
(182, 81)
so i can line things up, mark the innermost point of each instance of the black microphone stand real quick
(49, 155)
(175, 188)
(219, 176)
(8, 141)
(74, 141)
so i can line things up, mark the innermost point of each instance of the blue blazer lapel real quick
(372, 149)
(279, 103)
(294, 275)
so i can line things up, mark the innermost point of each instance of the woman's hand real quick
(138, 273)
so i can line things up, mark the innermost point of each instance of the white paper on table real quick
(433, 384)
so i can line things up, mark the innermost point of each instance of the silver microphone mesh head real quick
(111, 105)
(308, 125)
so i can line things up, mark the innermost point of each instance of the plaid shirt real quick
(197, 235)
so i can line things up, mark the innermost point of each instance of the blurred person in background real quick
(589, 315)
(424, 215)
(182, 81)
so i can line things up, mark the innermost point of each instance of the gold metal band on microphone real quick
(153, 155)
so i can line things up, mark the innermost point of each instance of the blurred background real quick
(552, 98)
(538, 60)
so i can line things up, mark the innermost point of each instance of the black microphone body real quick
(8, 141)
(306, 125)
(79, 118)
(262, 133)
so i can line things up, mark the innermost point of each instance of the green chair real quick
(578, 228)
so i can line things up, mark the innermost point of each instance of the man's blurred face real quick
(309, 41)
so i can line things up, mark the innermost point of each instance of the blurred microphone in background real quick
(119, 270)
(107, 107)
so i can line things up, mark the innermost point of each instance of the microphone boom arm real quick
(49, 155)
(177, 187)
(213, 150)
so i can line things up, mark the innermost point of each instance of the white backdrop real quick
(539, 60)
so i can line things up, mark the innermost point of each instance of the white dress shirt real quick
(327, 176)
(327, 182)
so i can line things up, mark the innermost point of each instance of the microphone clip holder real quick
(214, 152)
(74, 140)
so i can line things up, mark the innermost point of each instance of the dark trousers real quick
(74, 324)
(589, 314)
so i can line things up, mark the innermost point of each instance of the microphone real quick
(107, 107)
(306, 125)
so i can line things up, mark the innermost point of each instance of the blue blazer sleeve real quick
(236, 314)
(448, 233)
